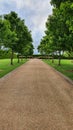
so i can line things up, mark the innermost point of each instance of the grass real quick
(66, 67)
(5, 66)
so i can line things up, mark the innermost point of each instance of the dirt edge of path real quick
(62, 75)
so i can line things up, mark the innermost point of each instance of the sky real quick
(34, 12)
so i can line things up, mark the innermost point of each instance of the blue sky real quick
(35, 13)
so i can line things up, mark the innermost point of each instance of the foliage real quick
(4, 30)
(28, 50)
(6, 54)
(57, 3)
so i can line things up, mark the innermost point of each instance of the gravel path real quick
(35, 97)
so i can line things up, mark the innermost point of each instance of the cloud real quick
(34, 12)
(21, 3)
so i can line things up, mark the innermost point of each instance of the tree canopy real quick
(57, 3)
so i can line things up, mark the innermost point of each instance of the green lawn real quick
(5, 66)
(66, 67)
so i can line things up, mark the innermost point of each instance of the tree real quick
(25, 39)
(20, 32)
(7, 37)
(59, 29)
(10, 42)
(28, 50)
(11, 39)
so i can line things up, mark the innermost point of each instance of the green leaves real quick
(57, 3)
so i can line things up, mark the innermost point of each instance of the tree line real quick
(59, 30)
(15, 35)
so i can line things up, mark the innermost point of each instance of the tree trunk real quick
(12, 57)
(52, 58)
(59, 58)
(21, 58)
(18, 59)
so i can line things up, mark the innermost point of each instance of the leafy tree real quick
(28, 50)
(19, 36)
(44, 47)
(59, 29)
(11, 39)
(7, 37)
(10, 42)
(25, 39)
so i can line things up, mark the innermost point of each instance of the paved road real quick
(35, 97)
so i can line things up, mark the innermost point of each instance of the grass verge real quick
(66, 67)
(5, 66)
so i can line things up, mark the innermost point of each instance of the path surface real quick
(35, 97)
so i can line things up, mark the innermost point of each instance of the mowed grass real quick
(66, 67)
(5, 66)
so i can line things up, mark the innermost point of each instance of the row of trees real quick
(14, 34)
(59, 29)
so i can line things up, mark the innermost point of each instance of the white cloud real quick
(41, 11)
(21, 3)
